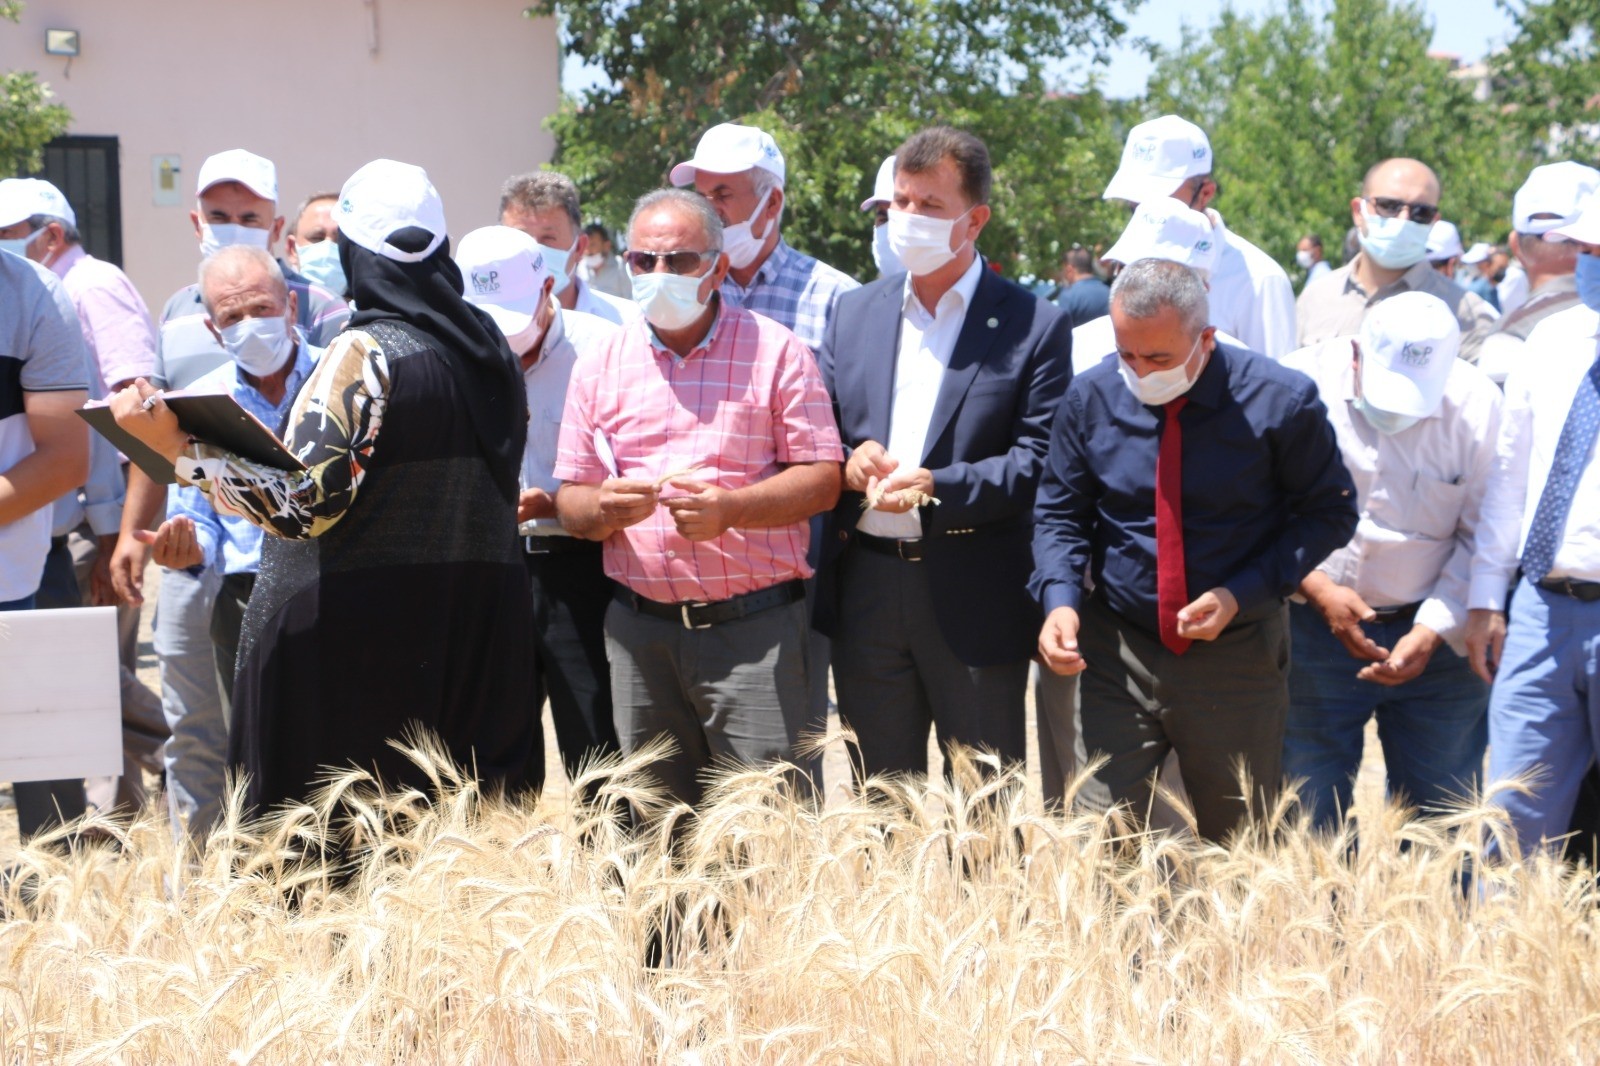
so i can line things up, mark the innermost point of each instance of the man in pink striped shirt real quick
(696, 445)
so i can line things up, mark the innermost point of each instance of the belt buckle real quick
(687, 623)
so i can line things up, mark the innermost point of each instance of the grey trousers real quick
(896, 676)
(734, 694)
(197, 755)
(1220, 703)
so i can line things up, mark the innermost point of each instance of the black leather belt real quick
(908, 550)
(1403, 613)
(1587, 591)
(705, 615)
(556, 544)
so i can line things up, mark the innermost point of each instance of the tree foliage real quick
(28, 120)
(1300, 101)
(1550, 74)
(838, 84)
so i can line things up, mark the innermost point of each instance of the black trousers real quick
(227, 615)
(570, 595)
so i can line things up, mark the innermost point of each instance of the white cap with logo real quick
(1159, 156)
(1164, 228)
(503, 271)
(1557, 190)
(1408, 345)
(1444, 241)
(22, 198)
(248, 169)
(730, 148)
(882, 188)
(1477, 253)
(385, 196)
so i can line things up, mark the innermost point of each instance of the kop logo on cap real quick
(485, 282)
(1413, 354)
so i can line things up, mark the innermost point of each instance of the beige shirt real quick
(1334, 305)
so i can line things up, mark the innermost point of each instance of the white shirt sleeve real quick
(1445, 609)
(1500, 523)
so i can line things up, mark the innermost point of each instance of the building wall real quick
(318, 86)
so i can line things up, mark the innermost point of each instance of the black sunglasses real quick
(1389, 207)
(677, 262)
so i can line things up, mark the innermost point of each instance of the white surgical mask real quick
(1304, 259)
(1386, 422)
(224, 234)
(556, 259)
(669, 301)
(320, 263)
(1160, 386)
(888, 263)
(521, 342)
(920, 242)
(259, 345)
(1393, 243)
(742, 245)
(594, 262)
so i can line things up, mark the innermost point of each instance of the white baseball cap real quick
(1477, 253)
(22, 198)
(1585, 228)
(248, 169)
(1159, 156)
(882, 188)
(385, 196)
(1444, 241)
(1408, 344)
(730, 148)
(1164, 228)
(1556, 189)
(503, 271)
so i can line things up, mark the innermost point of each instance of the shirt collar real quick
(69, 259)
(964, 288)
(553, 336)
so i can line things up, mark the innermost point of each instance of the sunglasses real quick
(1388, 207)
(677, 262)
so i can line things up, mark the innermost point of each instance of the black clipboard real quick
(214, 418)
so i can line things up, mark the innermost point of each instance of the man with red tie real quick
(1194, 485)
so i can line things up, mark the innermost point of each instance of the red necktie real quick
(1172, 586)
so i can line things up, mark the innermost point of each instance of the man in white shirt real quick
(544, 205)
(506, 274)
(1250, 294)
(1308, 255)
(1542, 509)
(1381, 628)
(1552, 197)
(601, 267)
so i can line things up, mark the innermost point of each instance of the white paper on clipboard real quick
(602, 448)
(60, 696)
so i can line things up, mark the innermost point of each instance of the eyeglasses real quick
(1391, 208)
(680, 262)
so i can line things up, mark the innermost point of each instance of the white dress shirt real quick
(1097, 338)
(926, 345)
(1419, 491)
(1251, 296)
(1319, 268)
(592, 301)
(573, 335)
(1538, 396)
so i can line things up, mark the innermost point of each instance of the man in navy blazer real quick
(945, 381)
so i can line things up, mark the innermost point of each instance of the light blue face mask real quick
(320, 263)
(1386, 422)
(18, 245)
(1393, 243)
(1588, 279)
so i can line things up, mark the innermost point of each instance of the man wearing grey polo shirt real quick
(506, 274)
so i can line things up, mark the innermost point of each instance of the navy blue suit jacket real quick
(986, 449)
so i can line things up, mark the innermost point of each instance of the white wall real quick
(459, 87)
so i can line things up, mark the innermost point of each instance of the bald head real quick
(1402, 179)
(241, 281)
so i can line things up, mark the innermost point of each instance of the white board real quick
(60, 700)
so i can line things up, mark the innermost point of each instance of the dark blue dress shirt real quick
(1085, 300)
(1266, 496)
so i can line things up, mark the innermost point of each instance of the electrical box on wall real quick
(166, 180)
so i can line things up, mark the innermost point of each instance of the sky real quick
(1468, 28)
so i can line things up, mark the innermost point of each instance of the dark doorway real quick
(85, 169)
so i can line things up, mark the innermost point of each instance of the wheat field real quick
(929, 922)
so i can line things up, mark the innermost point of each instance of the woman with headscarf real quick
(392, 595)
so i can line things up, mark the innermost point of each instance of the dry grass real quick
(938, 923)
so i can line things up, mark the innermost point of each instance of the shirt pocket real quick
(1433, 507)
(743, 441)
(544, 430)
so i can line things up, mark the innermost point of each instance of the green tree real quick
(1550, 74)
(1301, 100)
(28, 120)
(838, 84)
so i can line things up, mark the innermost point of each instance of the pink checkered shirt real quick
(745, 403)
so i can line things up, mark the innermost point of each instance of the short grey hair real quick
(236, 259)
(686, 200)
(69, 232)
(1147, 286)
(540, 191)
